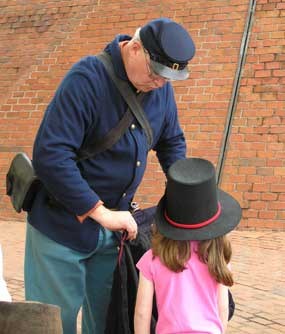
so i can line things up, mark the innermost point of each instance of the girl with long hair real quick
(188, 265)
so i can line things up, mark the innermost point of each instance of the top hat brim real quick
(169, 73)
(226, 222)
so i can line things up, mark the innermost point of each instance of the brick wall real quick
(42, 39)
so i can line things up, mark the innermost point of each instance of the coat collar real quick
(114, 50)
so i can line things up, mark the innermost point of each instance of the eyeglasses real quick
(151, 73)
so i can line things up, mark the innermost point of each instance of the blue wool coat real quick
(87, 102)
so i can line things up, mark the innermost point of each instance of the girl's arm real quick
(223, 304)
(143, 309)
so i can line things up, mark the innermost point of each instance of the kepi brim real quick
(169, 73)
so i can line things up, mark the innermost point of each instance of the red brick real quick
(252, 196)
(260, 187)
(278, 73)
(277, 188)
(267, 214)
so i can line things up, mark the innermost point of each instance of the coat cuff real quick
(87, 214)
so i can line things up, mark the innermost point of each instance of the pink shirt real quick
(187, 302)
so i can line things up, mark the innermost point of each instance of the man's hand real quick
(116, 220)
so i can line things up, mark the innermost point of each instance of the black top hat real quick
(192, 207)
(170, 48)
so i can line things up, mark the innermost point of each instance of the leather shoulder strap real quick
(129, 96)
(94, 145)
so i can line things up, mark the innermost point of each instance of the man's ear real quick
(136, 47)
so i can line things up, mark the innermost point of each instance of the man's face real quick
(140, 72)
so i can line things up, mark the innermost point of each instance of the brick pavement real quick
(258, 263)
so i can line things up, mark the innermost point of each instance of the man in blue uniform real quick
(71, 250)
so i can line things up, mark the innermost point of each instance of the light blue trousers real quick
(58, 275)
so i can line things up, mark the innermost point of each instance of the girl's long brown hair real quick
(216, 253)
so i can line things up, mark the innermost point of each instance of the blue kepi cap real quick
(170, 48)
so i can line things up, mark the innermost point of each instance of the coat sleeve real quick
(62, 131)
(171, 145)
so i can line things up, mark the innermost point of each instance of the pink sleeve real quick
(145, 265)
